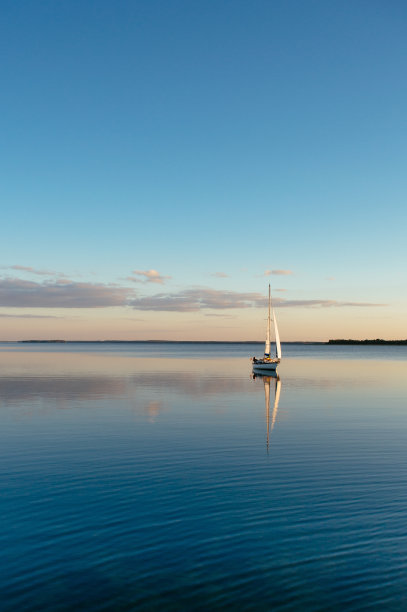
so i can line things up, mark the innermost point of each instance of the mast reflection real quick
(277, 390)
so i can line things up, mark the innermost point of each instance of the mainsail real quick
(267, 346)
(277, 335)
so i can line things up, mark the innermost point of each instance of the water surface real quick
(159, 477)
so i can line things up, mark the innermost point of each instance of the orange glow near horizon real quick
(295, 324)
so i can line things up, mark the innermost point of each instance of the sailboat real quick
(267, 363)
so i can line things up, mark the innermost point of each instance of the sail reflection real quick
(270, 419)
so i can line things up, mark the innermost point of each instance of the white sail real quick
(278, 345)
(267, 346)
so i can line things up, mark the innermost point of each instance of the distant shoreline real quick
(369, 342)
(377, 341)
(153, 342)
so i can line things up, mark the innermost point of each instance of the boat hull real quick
(266, 366)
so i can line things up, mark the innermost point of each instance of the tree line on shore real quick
(377, 341)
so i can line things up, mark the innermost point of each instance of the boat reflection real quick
(270, 420)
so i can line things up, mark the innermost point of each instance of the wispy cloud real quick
(148, 276)
(322, 303)
(220, 275)
(27, 316)
(18, 293)
(62, 293)
(37, 271)
(31, 270)
(192, 300)
(278, 272)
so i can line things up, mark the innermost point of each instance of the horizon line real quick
(162, 341)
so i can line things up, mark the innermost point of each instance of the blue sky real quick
(203, 138)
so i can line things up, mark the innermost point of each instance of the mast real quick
(267, 347)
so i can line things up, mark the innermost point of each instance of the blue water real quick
(212, 350)
(159, 477)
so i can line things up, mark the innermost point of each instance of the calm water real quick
(164, 477)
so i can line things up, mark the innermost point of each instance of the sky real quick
(161, 162)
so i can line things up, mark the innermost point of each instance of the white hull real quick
(266, 366)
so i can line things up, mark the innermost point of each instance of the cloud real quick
(278, 272)
(34, 270)
(322, 303)
(27, 316)
(279, 290)
(150, 276)
(133, 279)
(61, 293)
(18, 293)
(193, 300)
(220, 275)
